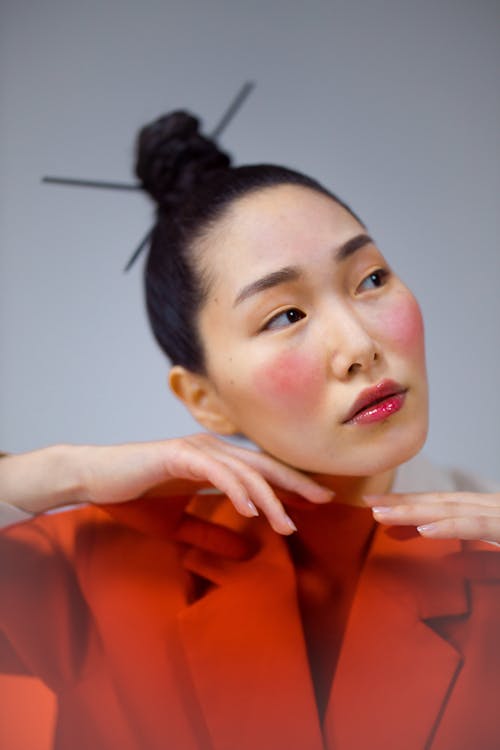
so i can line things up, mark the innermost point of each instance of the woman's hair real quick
(192, 183)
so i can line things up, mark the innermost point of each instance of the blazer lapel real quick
(245, 648)
(395, 672)
(242, 648)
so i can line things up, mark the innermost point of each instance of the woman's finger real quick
(419, 514)
(257, 489)
(276, 472)
(244, 487)
(288, 478)
(488, 499)
(484, 528)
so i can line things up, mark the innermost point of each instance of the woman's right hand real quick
(59, 475)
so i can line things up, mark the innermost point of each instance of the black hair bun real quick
(172, 157)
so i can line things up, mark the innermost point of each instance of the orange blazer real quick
(99, 604)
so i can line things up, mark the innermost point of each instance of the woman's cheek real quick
(402, 324)
(289, 379)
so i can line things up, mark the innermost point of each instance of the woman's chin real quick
(363, 461)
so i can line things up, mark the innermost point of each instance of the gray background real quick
(393, 104)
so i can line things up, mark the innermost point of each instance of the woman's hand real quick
(59, 475)
(442, 515)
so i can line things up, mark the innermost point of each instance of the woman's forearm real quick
(41, 480)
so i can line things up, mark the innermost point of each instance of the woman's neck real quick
(350, 490)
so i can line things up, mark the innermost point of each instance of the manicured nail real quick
(251, 507)
(290, 523)
(382, 510)
(427, 529)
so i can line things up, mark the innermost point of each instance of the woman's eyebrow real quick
(293, 273)
(351, 246)
(281, 276)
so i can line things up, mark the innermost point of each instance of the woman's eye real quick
(376, 279)
(285, 318)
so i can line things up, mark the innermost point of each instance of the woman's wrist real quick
(43, 479)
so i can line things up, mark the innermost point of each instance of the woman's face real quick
(304, 315)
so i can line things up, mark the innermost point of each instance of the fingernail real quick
(382, 510)
(251, 507)
(290, 523)
(427, 529)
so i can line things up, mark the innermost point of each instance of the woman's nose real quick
(353, 348)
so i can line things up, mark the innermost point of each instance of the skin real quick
(287, 382)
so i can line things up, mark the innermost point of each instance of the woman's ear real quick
(199, 396)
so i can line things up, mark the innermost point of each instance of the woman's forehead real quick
(284, 208)
(274, 227)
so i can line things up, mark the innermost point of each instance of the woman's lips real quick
(377, 403)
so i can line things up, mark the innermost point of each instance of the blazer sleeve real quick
(46, 623)
(44, 620)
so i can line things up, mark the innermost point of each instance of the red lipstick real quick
(377, 403)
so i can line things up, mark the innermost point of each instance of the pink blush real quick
(290, 377)
(403, 324)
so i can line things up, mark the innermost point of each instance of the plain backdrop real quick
(392, 103)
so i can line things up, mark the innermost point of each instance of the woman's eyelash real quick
(284, 318)
(377, 278)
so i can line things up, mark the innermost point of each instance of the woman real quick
(180, 619)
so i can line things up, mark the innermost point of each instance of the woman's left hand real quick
(442, 515)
